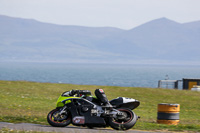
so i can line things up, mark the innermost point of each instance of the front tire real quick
(58, 121)
(124, 123)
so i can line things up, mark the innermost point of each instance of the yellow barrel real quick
(168, 113)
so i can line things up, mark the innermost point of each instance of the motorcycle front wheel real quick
(56, 120)
(124, 122)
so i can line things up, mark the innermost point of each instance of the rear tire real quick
(126, 123)
(60, 121)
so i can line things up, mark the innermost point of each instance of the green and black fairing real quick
(65, 98)
(81, 107)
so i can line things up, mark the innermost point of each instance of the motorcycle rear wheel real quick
(58, 121)
(125, 123)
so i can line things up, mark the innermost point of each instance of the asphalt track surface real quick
(68, 129)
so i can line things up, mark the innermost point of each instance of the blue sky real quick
(124, 14)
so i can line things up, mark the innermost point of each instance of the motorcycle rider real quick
(100, 94)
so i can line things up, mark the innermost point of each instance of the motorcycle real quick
(83, 109)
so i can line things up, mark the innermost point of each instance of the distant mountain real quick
(193, 25)
(158, 41)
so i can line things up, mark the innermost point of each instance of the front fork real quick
(63, 111)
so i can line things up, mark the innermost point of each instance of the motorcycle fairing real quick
(62, 99)
(80, 110)
(123, 102)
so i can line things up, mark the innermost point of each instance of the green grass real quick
(30, 102)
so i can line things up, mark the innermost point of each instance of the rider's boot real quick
(103, 99)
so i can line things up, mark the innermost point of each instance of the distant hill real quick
(158, 41)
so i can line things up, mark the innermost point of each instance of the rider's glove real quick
(73, 92)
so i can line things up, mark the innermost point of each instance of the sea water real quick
(96, 74)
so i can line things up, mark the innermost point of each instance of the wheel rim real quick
(128, 117)
(58, 119)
